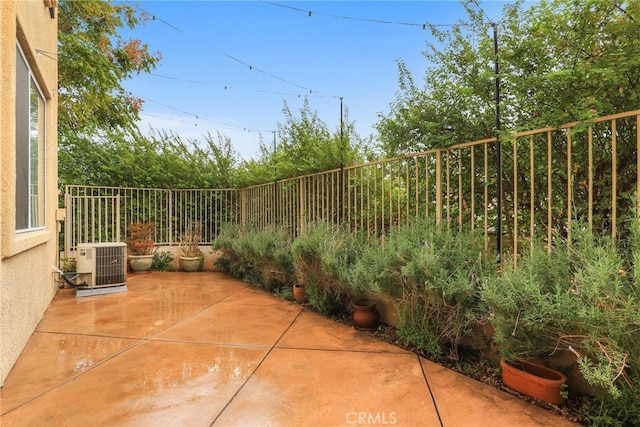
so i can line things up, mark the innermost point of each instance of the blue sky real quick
(229, 66)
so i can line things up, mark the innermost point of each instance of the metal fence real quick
(551, 177)
(585, 171)
(102, 214)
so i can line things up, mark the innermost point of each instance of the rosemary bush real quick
(324, 257)
(582, 296)
(435, 274)
(260, 257)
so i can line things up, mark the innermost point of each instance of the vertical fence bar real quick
(569, 184)
(486, 195)
(532, 192)
(549, 192)
(590, 177)
(460, 195)
(638, 166)
(472, 177)
(515, 202)
(448, 181)
(439, 187)
(614, 178)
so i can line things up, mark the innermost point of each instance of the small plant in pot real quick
(141, 245)
(191, 256)
(69, 268)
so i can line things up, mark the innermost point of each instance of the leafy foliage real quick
(161, 160)
(162, 261)
(560, 61)
(93, 61)
(141, 238)
(304, 145)
(260, 257)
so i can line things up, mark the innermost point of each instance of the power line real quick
(155, 18)
(177, 79)
(482, 10)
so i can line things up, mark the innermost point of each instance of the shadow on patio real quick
(200, 349)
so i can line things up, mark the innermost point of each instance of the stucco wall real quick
(26, 280)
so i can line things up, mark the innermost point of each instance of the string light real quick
(310, 13)
(47, 54)
(250, 66)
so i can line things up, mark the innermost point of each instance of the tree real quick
(304, 145)
(93, 61)
(560, 61)
(94, 110)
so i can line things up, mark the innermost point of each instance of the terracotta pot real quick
(190, 263)
(534, 380)
(140, 263)
(366, 316)
(299, 293)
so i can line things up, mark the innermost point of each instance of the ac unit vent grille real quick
(110, 265)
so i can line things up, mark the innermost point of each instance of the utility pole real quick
(341, 163)
(498, 144)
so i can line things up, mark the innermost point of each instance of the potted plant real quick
(191, 256)
(141, 245)
(69, 268)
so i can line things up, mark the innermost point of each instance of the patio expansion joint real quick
(256, 368)
(433, 398)
(339, 350)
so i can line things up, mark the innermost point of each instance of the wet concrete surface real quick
(202, 349)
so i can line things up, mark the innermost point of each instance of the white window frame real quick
(30, 145)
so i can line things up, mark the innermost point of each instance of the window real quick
(30, 149)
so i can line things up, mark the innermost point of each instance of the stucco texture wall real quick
(26, 259)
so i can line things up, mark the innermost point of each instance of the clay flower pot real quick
(299, 293)
(366, 316)
(534, 380)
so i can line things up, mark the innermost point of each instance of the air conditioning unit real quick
(102, 268)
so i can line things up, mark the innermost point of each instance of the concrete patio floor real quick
(202, 349)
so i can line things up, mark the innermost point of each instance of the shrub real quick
(581, 297)
(162, 261)
(229, 261)
(435, 274)
(324, 257)
(260, 257)
(140, 238)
